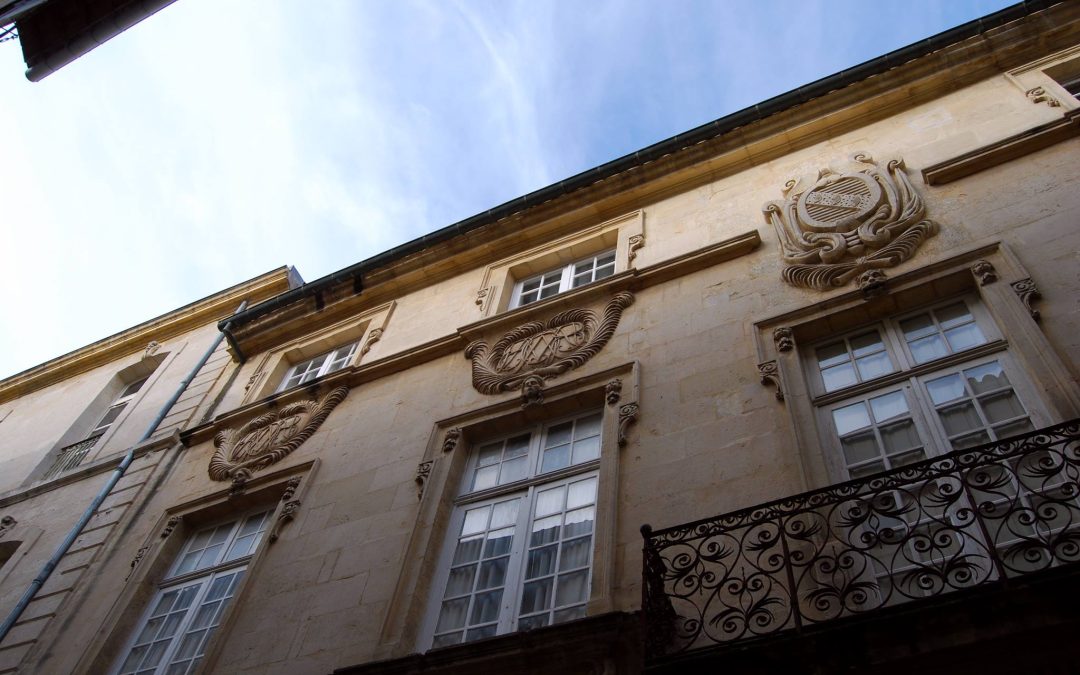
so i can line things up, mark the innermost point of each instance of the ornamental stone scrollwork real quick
(531, 354)
(1029, 293)
(1039, 95)
(984, 271)
(769, 372)
(171, 525)
(843, 224)
(6, 524)
(423, 472)
(628, 414)
(613, 391)
(635, 242)
(784, 339)
(451, 439)
(289, 510)
(136, 560)
(482, 297)
(373, 336)
(269, 438)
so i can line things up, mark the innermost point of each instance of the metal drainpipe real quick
(117, 473)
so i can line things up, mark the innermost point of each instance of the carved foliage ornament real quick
(537, 351)
(841, 225)
(269, 438)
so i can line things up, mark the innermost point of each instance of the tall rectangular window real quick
(522, 536)
(172, 635)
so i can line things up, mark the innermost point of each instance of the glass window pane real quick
(529, 623)
(917, 326)
(888, 406)
(831, 355)
(452, 614)
(545, 530)
(530, 285)
(488, 454)
(960, 418)
(867, 343)
(603, 272)
(986, 377)
(548, 291)
(866, 470)
(486, 477)
(900, 436)
(581, 493)
(586, 450)
(928, 349)
(874, 365)
(468, 550)
(945, 389)
(536, 596)
(499, 542)
(859, 447)
(1014, 428)
(513, 470)
(558, 434)
(964, 337)
(953, 315)
(579, 522)
(550, 501)
(606, 258)
(1002, 406)
(575, 553)
(970, 441)
(492, 573)
(851, 417)
(839, 377)
(587, 426)
(570, 614)
(447, 640)
(475, 521)
(504, 514)
(460, 581)
(906, 458)
(517, 446)
(480, 633)
(555, 458)
(573, 587)
(541, 561)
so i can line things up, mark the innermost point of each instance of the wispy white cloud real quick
(222, 138)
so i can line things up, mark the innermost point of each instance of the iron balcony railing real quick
(70, 457)
(966, 519)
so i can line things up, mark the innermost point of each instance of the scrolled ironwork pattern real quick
(968, 518)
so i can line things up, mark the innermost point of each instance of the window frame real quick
(202, 578)
(910, 377)
(330, 357)
(567, 275)
(526, 490)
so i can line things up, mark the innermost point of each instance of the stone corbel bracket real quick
(6, 524)
(628, 414)
(1029, 293)
(984, 272)
(290, 505)
(423, 472)
(769, 372)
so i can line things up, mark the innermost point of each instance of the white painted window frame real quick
(201, 578)
(526, 490)
(342, 356)
(566, 278)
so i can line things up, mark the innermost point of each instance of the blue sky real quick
(220, 139)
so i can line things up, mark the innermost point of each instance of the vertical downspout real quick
(117, 473)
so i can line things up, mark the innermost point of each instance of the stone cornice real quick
(167, 326)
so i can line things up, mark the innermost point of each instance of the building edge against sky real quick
(826, 347)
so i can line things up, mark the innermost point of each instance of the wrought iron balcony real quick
(70, 457)
(965, 520)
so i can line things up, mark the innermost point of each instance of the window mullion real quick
(567, 278)
(515, 567)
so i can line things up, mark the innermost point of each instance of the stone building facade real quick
(824, 349)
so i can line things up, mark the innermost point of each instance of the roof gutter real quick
(653, 152)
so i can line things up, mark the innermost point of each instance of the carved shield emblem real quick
(841, 225)
(539, 351)
(269, 438)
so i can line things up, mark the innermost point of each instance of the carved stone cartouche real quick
(838, 226)
(269, 438)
